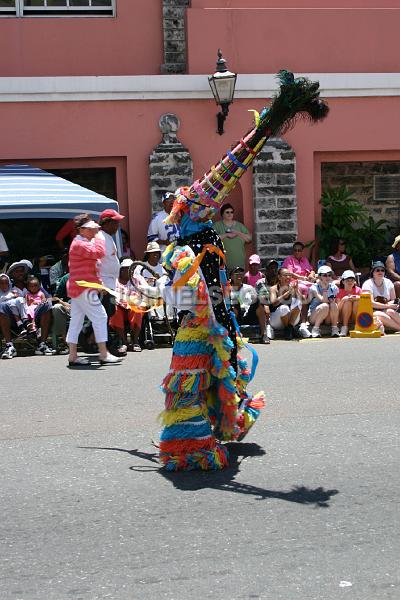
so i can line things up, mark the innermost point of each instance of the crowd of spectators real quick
(291, 298)
(299, 300)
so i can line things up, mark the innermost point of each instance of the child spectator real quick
(253, 274)
(323, 307)
(347, 300)
(34, 297)
(123, 314)
(285, 304)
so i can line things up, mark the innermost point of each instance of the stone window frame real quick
(18, 8)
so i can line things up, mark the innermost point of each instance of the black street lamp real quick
(222, 85)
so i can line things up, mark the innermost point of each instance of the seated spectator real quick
(393, 266)
(254, 273)
(383, 296)
(12, 305)
(61, 313)
(301, 270)
(271, 272)
(18, 272)
(34, 297)
(323, 306)
(338, 260)
(285, 304)
(59, 269)
(124, 315)
(347, 300)
(152, 258)
(245, 304)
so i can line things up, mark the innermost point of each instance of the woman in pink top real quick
(299, 265)
(84, 253)
(347, 300)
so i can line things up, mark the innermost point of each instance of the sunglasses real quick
(298, 250)
(228, 212)
(326, 275)
(379, 270)
(350, 279)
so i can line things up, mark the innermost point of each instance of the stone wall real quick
(359, 178)
(174, 30)
(275, 204)
(170, 162)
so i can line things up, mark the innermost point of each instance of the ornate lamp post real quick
(222, 85)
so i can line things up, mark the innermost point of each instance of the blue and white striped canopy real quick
(28, 192)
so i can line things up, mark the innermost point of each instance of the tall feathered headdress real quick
(297, 99)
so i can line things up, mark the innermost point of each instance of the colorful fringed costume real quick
(205, 388)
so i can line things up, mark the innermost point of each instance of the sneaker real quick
(136, 348)
(304, 331)
(44, 350)
(265, 339)
(270, 332)
(9, 352)
(344, 330)
(110, 360)
(315, 332)
(335, 331)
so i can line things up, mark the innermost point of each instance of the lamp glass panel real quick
(225, 88)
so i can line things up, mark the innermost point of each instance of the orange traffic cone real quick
(365, 325)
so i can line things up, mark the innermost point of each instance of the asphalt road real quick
(308, 509)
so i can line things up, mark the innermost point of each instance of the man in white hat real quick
(393, 266)
(160, 232)
(152, 259)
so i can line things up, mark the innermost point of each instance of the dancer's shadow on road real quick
(225, 480)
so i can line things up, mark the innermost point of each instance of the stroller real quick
(160, 323)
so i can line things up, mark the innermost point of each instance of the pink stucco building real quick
(84, 88)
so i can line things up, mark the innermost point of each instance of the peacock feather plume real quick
(297, 99)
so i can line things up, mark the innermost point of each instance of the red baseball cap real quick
(110, 214)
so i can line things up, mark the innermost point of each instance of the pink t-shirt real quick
(300, 267)
(252, 279)
(356, 291)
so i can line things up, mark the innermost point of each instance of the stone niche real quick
(275, 203)
(170, 162)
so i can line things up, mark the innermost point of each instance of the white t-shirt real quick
(109, 265)
(158, 230)
(387, 290)
(3, 245)
(245, 297)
